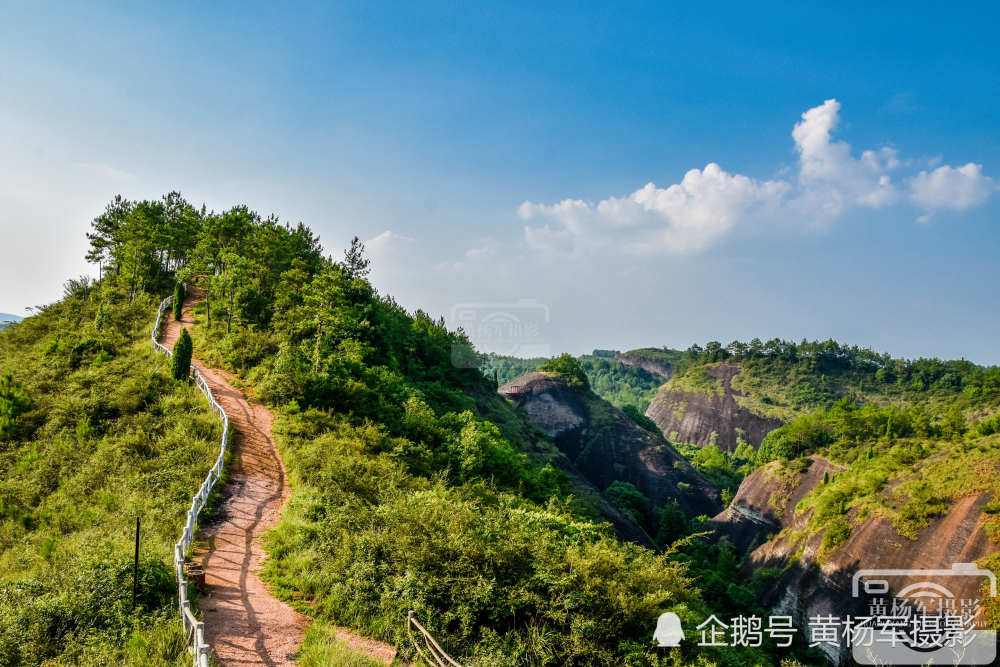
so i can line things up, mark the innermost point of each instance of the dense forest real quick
(404, 495)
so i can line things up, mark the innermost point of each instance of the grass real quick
(321, 648)
(696, 380)
(109, 435)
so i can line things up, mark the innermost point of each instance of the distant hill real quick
(618, 378)
(7, 318)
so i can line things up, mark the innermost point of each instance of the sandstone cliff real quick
(708, 412)
(605, 445)
(588, 499)
(762, 521)
(649, 361)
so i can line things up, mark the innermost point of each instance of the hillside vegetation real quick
(404, 496)
(900, 464)
(93, 431)
(784, 379)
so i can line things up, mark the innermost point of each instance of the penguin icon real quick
(668, 630)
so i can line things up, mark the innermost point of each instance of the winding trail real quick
(244, 623)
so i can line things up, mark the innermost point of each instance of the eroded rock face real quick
(659, 370)
(550, 403)
(705, 418)
(605, 445)
(764, 502)
(812, 584)
(494, 408)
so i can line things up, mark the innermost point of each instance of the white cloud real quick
(707, 204)
(955, 188)
(386, 242)
(830, 179)
(684, 217)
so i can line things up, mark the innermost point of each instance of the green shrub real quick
(642, 420)
(13, 403)
(837, 532)
(569, 369)
(183, 349)
(178, 302)
(988, 425)
(630, 500)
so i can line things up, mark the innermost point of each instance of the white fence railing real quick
(194, 628)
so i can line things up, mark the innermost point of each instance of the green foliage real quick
(724, 469)
(672, 525)
(642, 420)
(365, 540)
(631, 501)
(837, 532)
(988, 425)
(322, 648)
(97, 444)
(922, 505)
(355, 263)
(178, 302)
(954, 421)
(568, 368)
(181, 361)
(13, 403)
(821, 372)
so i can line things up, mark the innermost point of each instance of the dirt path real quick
(244, 623)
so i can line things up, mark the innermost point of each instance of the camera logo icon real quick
(514, 329)
(920, 617)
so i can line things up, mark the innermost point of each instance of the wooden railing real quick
(437, 656)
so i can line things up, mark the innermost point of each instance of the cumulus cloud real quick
(707, 204)
(684, 217)
(955, 188)
(831, 180)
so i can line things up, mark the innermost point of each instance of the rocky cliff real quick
(764, 503)
(649, 361)
(705, 411)
(763, 523)
(605, 445)
(515, 425)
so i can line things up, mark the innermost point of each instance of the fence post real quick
(135, 567)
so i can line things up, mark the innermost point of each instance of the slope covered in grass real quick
(96, 433)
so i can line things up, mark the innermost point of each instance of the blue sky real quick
(499, 154)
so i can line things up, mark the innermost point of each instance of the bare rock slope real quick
(762, 521)
(709, 417)
(659, 369)
(605, 445)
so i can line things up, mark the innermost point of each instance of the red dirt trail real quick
(244, 623)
